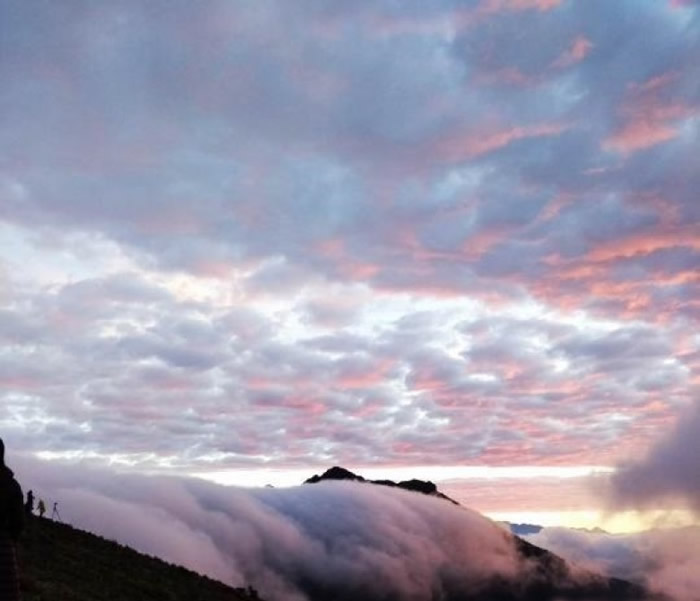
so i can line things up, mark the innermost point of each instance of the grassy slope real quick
(61, 563)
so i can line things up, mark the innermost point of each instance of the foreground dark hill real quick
(61, 563)
(550, 577)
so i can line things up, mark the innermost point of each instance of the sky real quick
(251, 240)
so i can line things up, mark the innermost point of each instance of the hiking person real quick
(11, 523)
(41, 507)
(29, 505)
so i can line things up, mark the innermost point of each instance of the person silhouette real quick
(11, 524)
(41, 507)
(29, 505)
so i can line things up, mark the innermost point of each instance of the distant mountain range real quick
(552, 578)
(523, 529)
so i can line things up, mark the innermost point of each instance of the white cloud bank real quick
(287, 543)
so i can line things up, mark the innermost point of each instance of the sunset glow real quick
(455, 241)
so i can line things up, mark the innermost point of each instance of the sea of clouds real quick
(341, 540)
(666, 560)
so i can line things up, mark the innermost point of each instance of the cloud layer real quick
(664, 560)
(341, 540)
(247, 234)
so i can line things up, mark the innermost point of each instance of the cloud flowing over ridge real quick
(346, 539)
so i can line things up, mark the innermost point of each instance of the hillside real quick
(61, 563)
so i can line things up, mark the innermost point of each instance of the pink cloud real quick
(575, 53)
(646, 243)
(497, 6)
(212, 268)
(475, 144)
(656, 82)
(335, 250)
(331, 247)
(479, 244)
(360, 271)
(638, 135)
(511, 76)
(649, 116)
(19, 382)
(459, 19)
(591, 282)
(367, 409)
(307, 406)
(366, 377)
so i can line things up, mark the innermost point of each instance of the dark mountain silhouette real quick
(528, 529)
(551, 577)
(422, 486)
(60, 563)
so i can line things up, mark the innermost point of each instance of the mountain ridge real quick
(425, 487)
